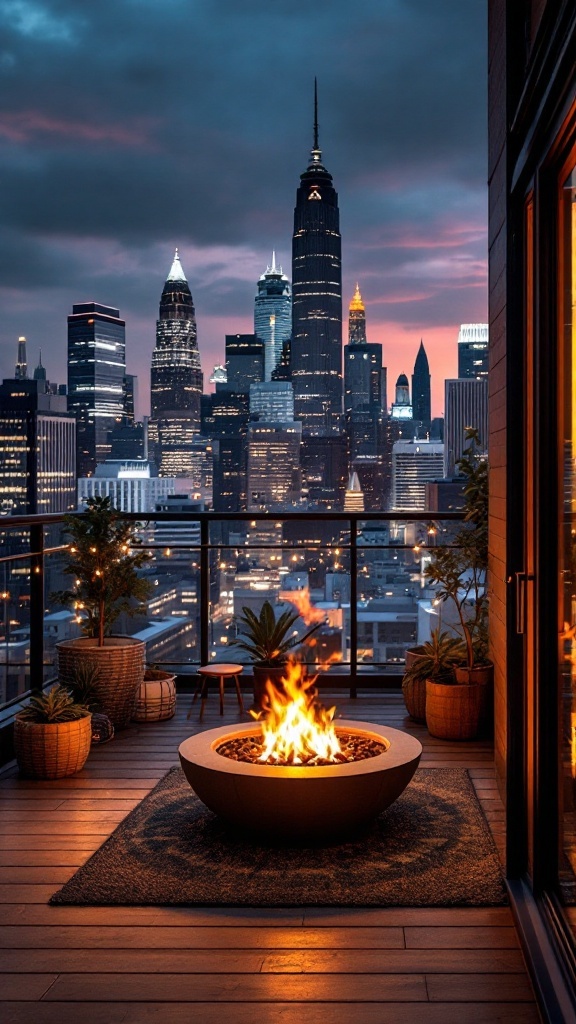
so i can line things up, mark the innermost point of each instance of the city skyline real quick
(103, 182)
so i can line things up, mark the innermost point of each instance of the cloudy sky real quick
(129, 127)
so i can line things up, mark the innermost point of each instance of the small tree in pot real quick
(435, 660)
(265, 638)
(460, 574)
(104, 558)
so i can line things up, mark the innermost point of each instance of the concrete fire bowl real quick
(299, 803)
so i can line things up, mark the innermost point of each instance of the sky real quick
(130, 127)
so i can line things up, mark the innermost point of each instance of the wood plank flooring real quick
(115, 965)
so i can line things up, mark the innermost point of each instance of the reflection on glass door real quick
(567, 551)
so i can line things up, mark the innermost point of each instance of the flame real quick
(295, 726)
(301, 601)
(332, 659)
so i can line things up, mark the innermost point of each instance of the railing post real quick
(204, 591)
(37, 607)
(353, 607)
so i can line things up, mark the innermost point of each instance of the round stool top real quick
(221, 670)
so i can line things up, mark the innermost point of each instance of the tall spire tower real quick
(317, 298)
(273, 315)
(356, 319)
(176, 378)
(421, 388)
(21, 371)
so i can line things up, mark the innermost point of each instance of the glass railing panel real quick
(15, 571)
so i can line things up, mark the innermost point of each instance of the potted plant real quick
(52, 735)
(84, 690)
(103, 558)
(266, 639)
(435, 660)
(156, 696)
(457, 711)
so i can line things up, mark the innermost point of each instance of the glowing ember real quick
(295, 726)
(309, 613)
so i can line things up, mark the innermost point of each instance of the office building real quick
(414, 464)
(130, 485)
(176, 378)
(364, 375)
(465, 405)
(316, 348)
(354, 498)
(21, 370)
(37, 449)
(473, 351)
(273, 315)
(96, 371)
(128, 440)
(357, 319)
(244, 362)
(273, 466)
(324, 464)
(421, 400)
(272, 402)
(130, 389)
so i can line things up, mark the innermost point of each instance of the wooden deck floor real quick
(325, 966)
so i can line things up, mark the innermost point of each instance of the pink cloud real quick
(27, 125)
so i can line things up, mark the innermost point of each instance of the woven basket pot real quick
(454, 712)
(481, 675)
(414, 690)
(120, 665)
(52, 750)
(156, 697)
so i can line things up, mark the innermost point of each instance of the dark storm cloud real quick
(129, 126)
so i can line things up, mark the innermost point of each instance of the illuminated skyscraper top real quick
(273, 314)
(176, 380)
(356, 319)
(21, 372)
(316, 355)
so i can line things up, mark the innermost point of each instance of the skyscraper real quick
(37, 449)
(21, 372)
(96, 369)
(176, 378)
(401, 406)
(413, 464)
(357, 319)
(176, 381)
(421, 405)
(473, 350)
(316, 351)
(465, 405)
(273, 314)
(244, 362)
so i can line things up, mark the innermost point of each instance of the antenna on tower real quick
(315, 113)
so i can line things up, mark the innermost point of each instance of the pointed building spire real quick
(21, 372)
(40, 372)
(315, 113)
(273, 264)
(356, 300)
(176, 272)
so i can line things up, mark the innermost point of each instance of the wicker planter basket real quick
(120, 666)
(454, 712)
(156, 697)
(414, 690)
(52, 750)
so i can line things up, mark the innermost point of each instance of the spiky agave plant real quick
(53, 707)
(265, 637)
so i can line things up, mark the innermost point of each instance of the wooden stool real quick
(219, 672)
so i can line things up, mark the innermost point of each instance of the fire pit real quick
(295, 774)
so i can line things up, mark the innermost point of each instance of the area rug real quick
(431, 848)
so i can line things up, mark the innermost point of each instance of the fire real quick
(301, 601)
(295, 726)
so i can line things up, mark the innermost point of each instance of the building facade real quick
(37, 450)
(176, 381)
(414, 464)
(273, 466)
(96, 371)
(316, 349)
(272, 401)
(465, 405)
(421, 398)
(473, 350)
(273, 314)
(129, 484)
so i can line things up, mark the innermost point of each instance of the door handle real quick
(522, 578)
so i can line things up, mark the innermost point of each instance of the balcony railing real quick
(361, 575)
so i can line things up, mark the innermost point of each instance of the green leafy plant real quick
(53, 707)
(436, 659)
(103, 557)
(265, 637)
(460, 572)
(84, 685)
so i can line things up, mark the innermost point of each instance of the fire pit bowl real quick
(298, 802)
